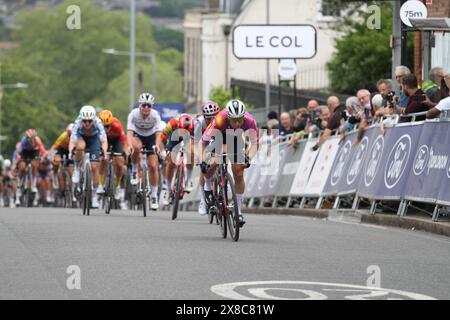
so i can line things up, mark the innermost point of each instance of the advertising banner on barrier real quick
(389, 161)
(322, 167)
(289, 169)
(430, 163)
(440, 161)
(340, 165)
(304, 169)
(347, 167)
(268, 181)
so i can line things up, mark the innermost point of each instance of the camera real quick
(390, 96)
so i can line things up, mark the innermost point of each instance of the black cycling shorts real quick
(147, 142)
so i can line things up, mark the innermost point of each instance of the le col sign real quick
(274, 41)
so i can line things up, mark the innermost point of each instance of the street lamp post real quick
(150, 55)
(226, 32)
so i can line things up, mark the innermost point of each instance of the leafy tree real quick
(168, 38)
(363, 55)
(71, 62)
(222, 96)
(27, 108)
(169, 88)
(66, 69)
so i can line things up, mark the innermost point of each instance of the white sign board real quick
(304, 169)
(412, 9)
(322, 167)
(287, 69)
(274, 41)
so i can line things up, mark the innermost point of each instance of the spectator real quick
(285, 127)
(417, 100)
(385, 88)
(313, 116)
(443, 105)
(300, 123)
(332, 103)
(285, 124)
(324, 117)
(400, 72)
(431, 87)
(335, 120)
(301, 119)
(267, 132)
(272, 115)
(365, 114)
(352, 108)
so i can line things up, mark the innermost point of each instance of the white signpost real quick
(274, 41)
(412, 9)
(287, 69)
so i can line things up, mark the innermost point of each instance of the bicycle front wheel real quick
(87, 190)
(177, 191)
(220, 215)
(231, 207)
(144, 191)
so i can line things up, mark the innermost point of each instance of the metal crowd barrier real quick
(409, 163)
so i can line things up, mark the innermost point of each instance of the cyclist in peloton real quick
(45, 181)
(230, 125)
(117, 141)
(209, 110)
(60, 149)
(30, 148)
(88, 134)
(181, 126)
(143, 129)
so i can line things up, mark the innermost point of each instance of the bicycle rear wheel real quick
(220, 216)
(144, 191)
(177, 191)
(87, 189)
(29, 194)
(109, 192)
(230, 205)
(67, 191)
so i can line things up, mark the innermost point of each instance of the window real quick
(329, 10)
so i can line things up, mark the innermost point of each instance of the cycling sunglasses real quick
(87, 121)
(237, 120)
(145, 105)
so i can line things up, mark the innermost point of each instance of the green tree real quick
(222, 96)
(26, 108)
(71, 62)
(168, 38)
(363, 56)
(66, 69)
(169, 88)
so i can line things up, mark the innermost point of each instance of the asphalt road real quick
(126, 256)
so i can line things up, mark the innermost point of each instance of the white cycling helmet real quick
(7, 163)
(87, 113)
(147, 98)
(235, 108)
(210, 109)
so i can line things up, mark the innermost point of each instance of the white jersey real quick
(144, 126)
(199, 127)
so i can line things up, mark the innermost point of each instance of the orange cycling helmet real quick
(186, 122)
(106, 116)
